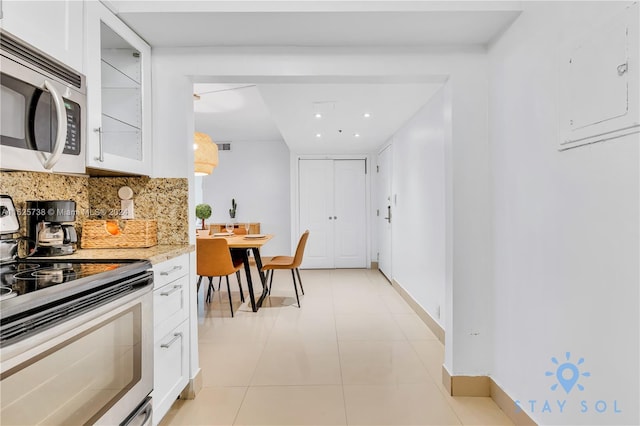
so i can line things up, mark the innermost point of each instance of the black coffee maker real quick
(50, 227)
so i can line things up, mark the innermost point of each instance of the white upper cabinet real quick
(118, 95)
(54, 27)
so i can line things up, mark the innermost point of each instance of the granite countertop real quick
(155, 254)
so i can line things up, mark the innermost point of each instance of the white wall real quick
(566, 231)
(197, 195)
(419, 225)
(173, 119)
(198, 185)
(469, 217)
(256, 174)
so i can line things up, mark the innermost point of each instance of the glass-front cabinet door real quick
(118, 95)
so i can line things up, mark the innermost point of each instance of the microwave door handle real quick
(49, 161)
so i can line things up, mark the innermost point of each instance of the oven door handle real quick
(49, 161)
(142, 416)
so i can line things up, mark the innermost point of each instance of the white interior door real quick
(332, 196)
(385, 215)
(316, 211)
(349, 214)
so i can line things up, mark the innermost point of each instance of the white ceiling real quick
(261, 112)
(267, 112)
(233, 112)
(293, 108)
(320, 28)
(316, 23)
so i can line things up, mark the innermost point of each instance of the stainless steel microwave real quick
(42, 110)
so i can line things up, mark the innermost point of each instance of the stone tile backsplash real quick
(27, 186)
(163, 199)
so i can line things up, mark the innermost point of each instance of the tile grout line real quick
(335, 326)
(422, 362)
(435, 381)
(244, 396)
(264, 345)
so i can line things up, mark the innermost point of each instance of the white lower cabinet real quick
(171, 333)
(171, 369)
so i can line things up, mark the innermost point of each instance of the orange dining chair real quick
(288, 262)
(213, 259)
(205, 233)
(239, 230)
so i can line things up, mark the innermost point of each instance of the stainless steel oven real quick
(76, 343)
(42, 110)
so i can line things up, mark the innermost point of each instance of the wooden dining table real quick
(239, 244)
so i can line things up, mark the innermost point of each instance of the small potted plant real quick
(232, 210)
(203, 211)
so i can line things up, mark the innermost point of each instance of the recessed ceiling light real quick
(318, 135)
(317, 115)
(366, 115)
(356, 135)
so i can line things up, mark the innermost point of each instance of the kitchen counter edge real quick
(156, 254)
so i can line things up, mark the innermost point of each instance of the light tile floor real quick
(354, 354)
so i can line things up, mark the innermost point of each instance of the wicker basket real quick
(132, 233)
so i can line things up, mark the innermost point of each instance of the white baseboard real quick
(193, 387)
(420, 311)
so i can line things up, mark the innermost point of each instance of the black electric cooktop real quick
(32, 282)
(26, 277)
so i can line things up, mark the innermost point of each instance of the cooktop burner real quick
(24, 277)
(7, 293)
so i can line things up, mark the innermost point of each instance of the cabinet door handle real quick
(100, 156)
(61, 139)
(173, 290)
(167, 345)
(172, 270)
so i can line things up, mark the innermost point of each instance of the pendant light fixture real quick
(205, 154)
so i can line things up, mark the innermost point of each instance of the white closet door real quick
(316, 207)
(349, 214)
(333, 209)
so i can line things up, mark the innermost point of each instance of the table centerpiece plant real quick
(232, 210)
(203, 212)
